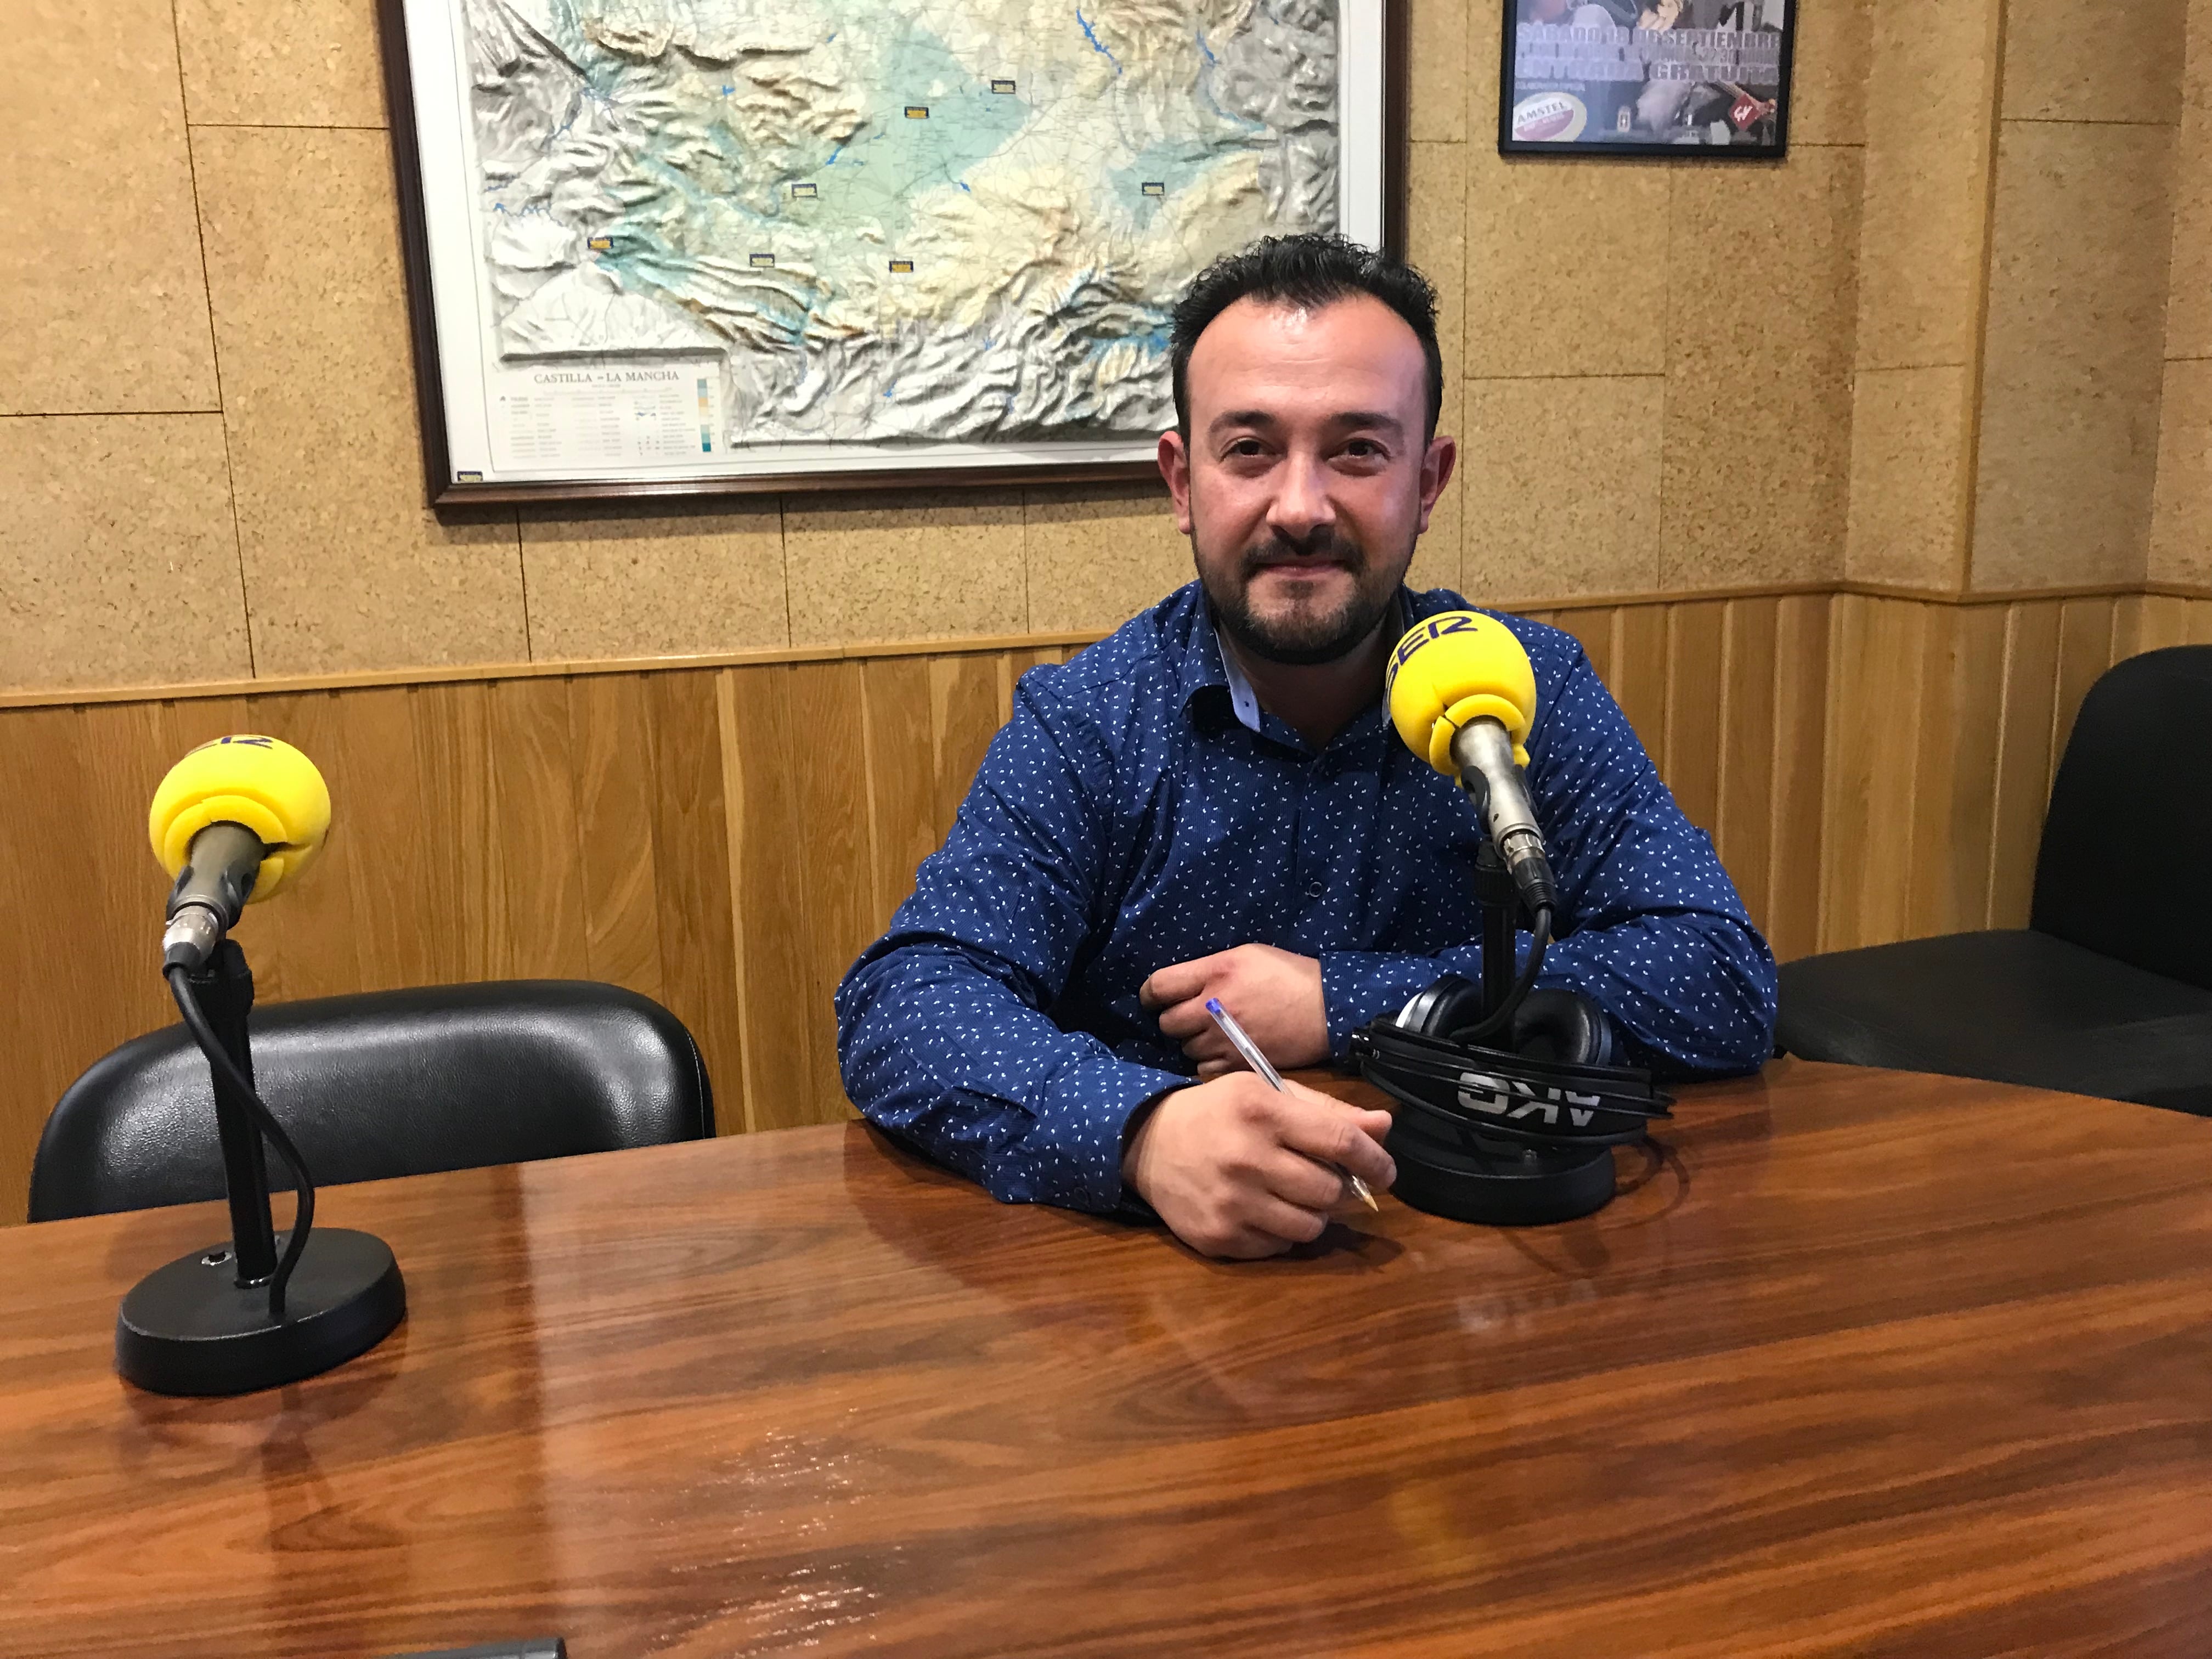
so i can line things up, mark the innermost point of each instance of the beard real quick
(1303, 633)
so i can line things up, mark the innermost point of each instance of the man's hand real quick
(1273, 994)
(1229, 1166)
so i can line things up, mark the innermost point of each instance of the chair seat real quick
(2014, 1007)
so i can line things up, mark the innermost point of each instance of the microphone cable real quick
(303, 1216)
(1539, 936)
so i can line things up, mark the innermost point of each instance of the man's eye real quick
(1248, 447)
(1364, 449)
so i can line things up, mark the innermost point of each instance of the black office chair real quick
(2108, 991)
(389, 1083)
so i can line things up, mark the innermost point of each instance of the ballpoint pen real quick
(1243, 1044)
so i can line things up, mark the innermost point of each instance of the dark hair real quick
(1309, 271)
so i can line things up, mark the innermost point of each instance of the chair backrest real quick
(2125, 867)
(389, 1083)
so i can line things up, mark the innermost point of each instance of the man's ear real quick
(1435, 472)
(1175, 467)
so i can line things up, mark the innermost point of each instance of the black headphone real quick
(1556, 1026)
(1516, 1134)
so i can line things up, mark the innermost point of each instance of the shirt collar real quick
(1241, 697)
(1207, 663)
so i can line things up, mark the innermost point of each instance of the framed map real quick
(696, 246)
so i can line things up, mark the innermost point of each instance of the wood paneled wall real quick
(1730, 697)
(723, 839)
(1946, 723)
(727, 839)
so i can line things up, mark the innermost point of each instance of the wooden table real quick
(1870, 1363)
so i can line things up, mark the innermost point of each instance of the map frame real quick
(451, 483)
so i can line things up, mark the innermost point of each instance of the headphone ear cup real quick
(1451, 1001)
(1565, 1026)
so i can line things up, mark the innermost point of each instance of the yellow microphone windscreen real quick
(1454, 668)
(263, 783)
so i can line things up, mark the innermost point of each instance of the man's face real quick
(1305, 480)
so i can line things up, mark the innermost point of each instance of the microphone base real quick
(189, 1328)
(1495, 1182)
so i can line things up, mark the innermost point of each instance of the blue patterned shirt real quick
(1126, 818)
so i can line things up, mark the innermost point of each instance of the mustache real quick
(1322, 545)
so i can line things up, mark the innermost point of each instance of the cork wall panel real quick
(1543, 272)
(1760, 307)
(105, 307)
(1485, 43)
(2181, 514)
(1097, 556)
(1828, 72)
(2189, 313)
(119, 559)
(2189, 283)
(1439, 556)
(345, 568)
(2181, 521)
(2076, 333)
(1436, 237)
(1907, 522)
(903, 565)
(304, 63)
(1562, 482)
(1437, 220)
(1931, 78)
(1437, 33)
(2121, 63)
(1566, 263)
(614, 584)
(2196, 63)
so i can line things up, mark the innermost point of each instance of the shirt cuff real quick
(1076, 1146)
(1356, 985)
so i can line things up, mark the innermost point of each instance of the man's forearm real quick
(1692, 991)
(940, 1052)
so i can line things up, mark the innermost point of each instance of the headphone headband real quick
(1458, 1086)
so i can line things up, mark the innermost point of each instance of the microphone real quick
(1463, 696)
(235, 821)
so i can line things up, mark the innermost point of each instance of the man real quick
(1211, 803)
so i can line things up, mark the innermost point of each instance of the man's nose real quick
(1302, 504)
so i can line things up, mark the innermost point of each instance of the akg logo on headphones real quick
(1511, 1098)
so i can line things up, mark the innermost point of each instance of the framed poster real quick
(1644, 77)
(703, 247)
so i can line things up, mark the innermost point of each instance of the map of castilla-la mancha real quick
(891, 220)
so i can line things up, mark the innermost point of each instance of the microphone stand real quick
(225, 991)
(1499, 901)
(225, 1320)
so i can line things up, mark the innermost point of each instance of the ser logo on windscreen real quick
(1456, 622)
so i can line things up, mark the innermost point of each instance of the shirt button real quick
(1314, 889)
